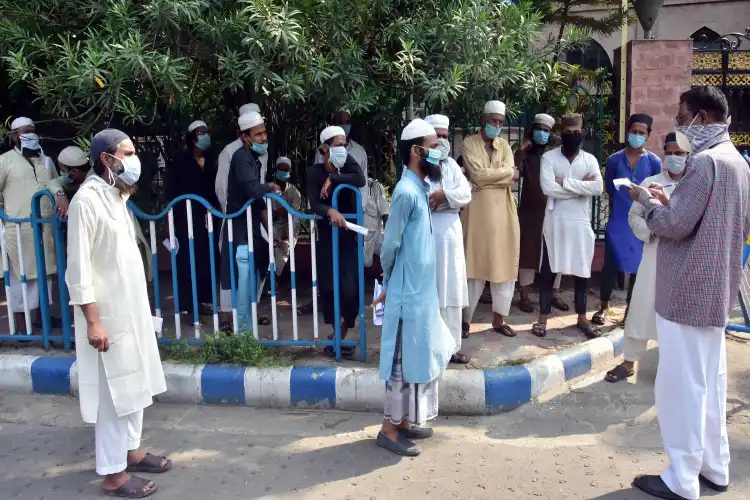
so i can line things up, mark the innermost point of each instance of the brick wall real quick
(658, 72)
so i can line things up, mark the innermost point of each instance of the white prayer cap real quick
(438, 121)
(249, 120)
(196, 124)
(249, 108)
(544, 119)
(73, 156)
(494, 108)
(417, 128)
(331, 131)
(283, 160)
(19, 122)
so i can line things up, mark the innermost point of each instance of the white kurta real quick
(20, 179)
(450, 260)
(567, 220)
(641, 321)
(375, 209)
(360, 156)
(221, 184)
(105, 267)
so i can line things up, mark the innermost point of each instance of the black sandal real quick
(135, 487)
(598, 317)
(619, 373)
(560, 305)
(346, 351)
(505, 329)
(526, 306)
(151, 464)
(589, 330)
(539, 329)
(460, 359)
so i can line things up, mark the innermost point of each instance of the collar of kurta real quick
(424, 183)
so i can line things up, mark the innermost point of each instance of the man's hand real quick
(659, 193)
(437, 198)
(589, 177)
(380, 299)
(559, 180)
(635, 191)
(61, 206)
(98, 338)
(516, 174)
(337, 219)
(325, 191)
(273, 187)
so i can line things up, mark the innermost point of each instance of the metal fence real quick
(189, 203)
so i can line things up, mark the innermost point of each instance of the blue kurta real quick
(621, 241)
(408, 260)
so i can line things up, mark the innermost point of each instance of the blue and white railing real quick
(66, 337)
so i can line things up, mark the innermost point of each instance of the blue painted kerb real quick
(506, 388)
(51, 375)
(223, 385)
(313, 386)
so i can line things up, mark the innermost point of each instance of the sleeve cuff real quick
(81, 294)
(643, 197)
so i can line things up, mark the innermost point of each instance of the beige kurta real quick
(490, 221)
(20, 179)
(105, 267)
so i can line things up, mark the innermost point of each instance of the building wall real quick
(678, 19)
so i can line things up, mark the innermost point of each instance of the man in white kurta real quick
(119, 370)
(24, 171)
(447, 196)
(376, 213)
(222, 186)
(640, 324)
(570, 178)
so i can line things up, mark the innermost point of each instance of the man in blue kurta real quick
(622, 251)
(415, 345)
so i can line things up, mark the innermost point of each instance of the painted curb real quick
(465, 392)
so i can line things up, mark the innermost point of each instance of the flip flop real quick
(151, 464)
(526, 306)
(460, 359)
(590, 331)
(618, 373)
(505, 329)
(133, 488)
(598, 317)
(539, 330)
(558, 304)
(402, 447)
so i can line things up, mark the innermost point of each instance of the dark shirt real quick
(244, 184)
(350, 173)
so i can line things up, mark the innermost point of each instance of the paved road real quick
(584, 444)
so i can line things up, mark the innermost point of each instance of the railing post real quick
(62, 266)
(41, 265)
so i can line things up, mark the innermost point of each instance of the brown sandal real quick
(526, 306)
(135, 487)
(598, 317)
(559, 304)
(505, 329)
(151, 464)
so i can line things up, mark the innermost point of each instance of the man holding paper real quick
(337, 167)
(447, 195)
(416, 346)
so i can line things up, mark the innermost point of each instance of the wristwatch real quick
(60, 193)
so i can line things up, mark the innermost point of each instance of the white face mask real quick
(338, 156)
(444, 148)
(131, 172)
(675, 164)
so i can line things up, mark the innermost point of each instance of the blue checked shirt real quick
(702, 231)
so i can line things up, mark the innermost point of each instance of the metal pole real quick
(623, 74)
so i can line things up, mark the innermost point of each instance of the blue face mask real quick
(261, 149)
(433, 156)
(282, 175)
(64, 177)
(540, 137)
(203, 142)
(29, 141)
(347, 128)
(491, 131)
(636, 141)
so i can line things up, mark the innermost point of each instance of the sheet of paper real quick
(622, 182)
(158, 323)
(357, 229)
(168, 247)
(377, 311)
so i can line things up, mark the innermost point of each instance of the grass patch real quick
(514, 362)
(220, 348)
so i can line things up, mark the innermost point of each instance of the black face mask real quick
(571, 143)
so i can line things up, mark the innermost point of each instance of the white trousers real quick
(633, 349)
(526, 278)
(452, 319)
(502, 296)
(15, 299)
(115, 436)
(691, 402)
(225, 298)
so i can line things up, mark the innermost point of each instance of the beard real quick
(431, 170)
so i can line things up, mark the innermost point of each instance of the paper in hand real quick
(378, 310)
(357, 229)
(169, 247)
(622, 182)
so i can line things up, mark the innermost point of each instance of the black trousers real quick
(348, 277)
(546, 282)
(609, 276)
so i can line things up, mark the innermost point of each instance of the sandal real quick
(590, 331)
(598, 317)
(135, 487)
(151, 464)
(346, 351)
(264, 321)
(619, 373)
(525, 305)
(539, 329)
(558, 304)
(460, 359)
(505, 329)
